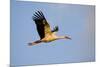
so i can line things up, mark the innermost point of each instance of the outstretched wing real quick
(42, 25)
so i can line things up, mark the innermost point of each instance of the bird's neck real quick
(58, 37)
(61, 37)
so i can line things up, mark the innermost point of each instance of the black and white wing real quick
(42, 25)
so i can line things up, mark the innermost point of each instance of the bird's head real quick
(67, 37)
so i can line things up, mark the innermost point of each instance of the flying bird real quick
(44, 31)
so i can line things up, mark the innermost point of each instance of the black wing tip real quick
(38, 15)
(55, 29)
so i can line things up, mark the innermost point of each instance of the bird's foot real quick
(30, 44)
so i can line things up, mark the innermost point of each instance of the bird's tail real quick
(34, 43)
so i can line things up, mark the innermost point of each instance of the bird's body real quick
(49, 37)
(43, 28)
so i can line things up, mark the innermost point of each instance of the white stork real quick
(44, 31)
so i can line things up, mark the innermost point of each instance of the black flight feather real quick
(42, 25)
